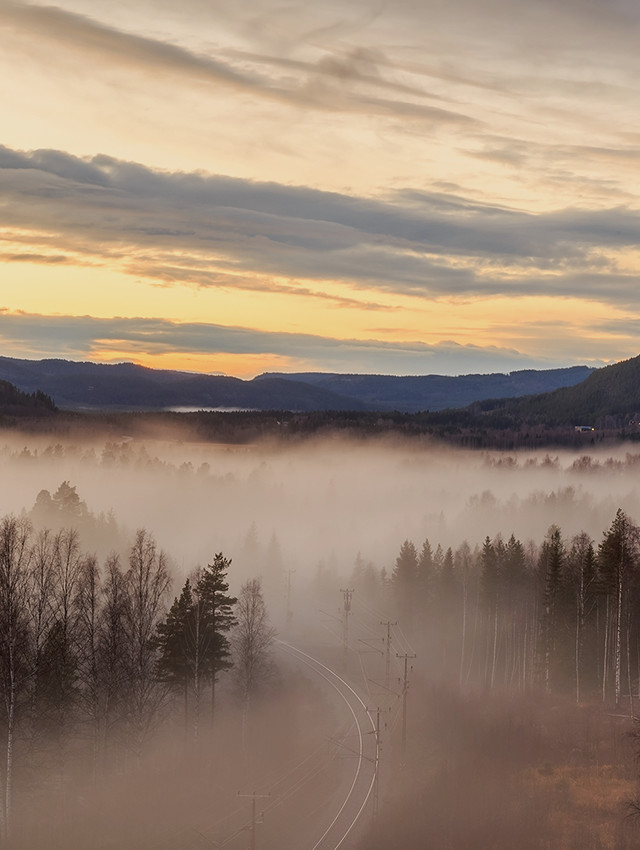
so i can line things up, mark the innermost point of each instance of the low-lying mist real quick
(322, 501)
(488, 593)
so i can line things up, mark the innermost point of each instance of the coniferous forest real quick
(144, 587)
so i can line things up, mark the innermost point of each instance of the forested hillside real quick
(16, 403)
(560, 616)
(609, 397)
(118, 386)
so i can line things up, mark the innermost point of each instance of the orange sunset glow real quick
(407, 189)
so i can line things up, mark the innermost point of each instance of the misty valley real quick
(335, 643)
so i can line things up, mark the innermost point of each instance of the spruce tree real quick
(617, 561)
(212, 590)
(403, 580)
(175, 656)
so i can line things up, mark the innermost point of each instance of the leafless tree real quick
(252, 642)
(147, 583)
(88, 635)
(15, 555)
(41, 610)
(112, 654)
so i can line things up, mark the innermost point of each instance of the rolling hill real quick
(609, 396)
(125, 386)
(414, 393)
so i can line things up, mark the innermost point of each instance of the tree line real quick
(561, 617)
(93, 657)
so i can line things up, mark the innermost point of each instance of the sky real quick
(406, 187)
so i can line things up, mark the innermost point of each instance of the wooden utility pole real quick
(254, 820)
(405, 688)
(345, 622)
(387, 659)
(376, 762)
(376, 786)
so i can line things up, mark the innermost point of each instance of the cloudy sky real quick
(404, 187)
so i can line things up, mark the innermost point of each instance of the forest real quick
(144, 585)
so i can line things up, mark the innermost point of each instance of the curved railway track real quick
(350, 801)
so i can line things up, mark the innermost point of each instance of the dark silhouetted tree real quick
(617, 560)
(15, 558)
(582, 577)
(551, 567)
(403, 581)
(147, 583)
(217, 608)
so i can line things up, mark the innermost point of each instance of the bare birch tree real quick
(147, 582)
(252, 642)
(15, 557)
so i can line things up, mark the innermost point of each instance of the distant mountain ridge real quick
(415, 393)
(126, 386)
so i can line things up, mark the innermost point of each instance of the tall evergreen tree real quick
(582, 576)
(489, 585)
(515, 590)
(551, 567)
(424, 573)
(212, 590)
(617, 560)
(174, 640)
(463, 564)
(403, 581)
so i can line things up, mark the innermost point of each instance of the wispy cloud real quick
(338, 81)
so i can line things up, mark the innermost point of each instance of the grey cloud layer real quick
(79, 337)
(215, 230)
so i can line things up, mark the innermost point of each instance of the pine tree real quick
(551, 566)
(212, 590)
(515, 612)
(403, 580)
(582, 576)
(489, 584)
(425, 573)
(617, 560)
(173, 641)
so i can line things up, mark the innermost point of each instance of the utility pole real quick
(376, 761)
(289, 610)
(345, 622)
(377, 767)
(405, 688)
(387, 643)
(254, 821)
